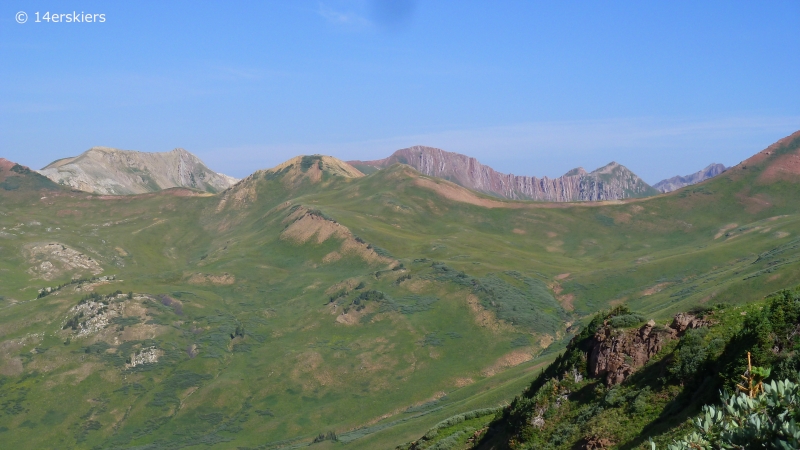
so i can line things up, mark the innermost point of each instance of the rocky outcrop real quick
(677, 182)
(611, 182)
(109, 171)
(594, 443)
(615, 354)
(683, 322)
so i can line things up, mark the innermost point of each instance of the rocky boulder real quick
(683, 322)
(615, 354)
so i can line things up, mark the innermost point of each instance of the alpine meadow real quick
(313, 305)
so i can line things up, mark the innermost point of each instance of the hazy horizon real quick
(529, 88)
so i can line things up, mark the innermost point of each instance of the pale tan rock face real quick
(611, 182)
(109, 171)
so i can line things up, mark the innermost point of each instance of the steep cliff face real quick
(677, 182)
(105, 170)
(611, 182)
(615, 354)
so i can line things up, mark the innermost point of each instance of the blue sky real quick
(533, 88)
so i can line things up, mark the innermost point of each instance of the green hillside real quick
(567, 406)
(310, 299)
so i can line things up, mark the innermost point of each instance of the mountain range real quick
(611, 182)
(103, 170)
(677, 182)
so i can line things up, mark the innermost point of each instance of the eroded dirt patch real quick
(223, 279)
(512, 359)
(459, 194)
(11, 366)
(305, 226)
(485, 318)
(567, 301)
(655, 289)
(725, 229)
(461, 382)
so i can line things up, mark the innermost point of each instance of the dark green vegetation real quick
(564, 407)
(308, 300)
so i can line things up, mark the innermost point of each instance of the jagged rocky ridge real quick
(610, 182)
(677, 182)
(110, 171)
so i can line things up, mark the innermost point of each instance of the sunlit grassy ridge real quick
(450, 296)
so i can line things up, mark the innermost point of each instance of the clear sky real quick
(532, 88)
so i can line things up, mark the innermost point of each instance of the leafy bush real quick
(402, 278)
(767, 421)
(531, 306)
(172, 303)
(521, 341)
(690, 355)
(772, 335)
(125, 321)
(371, 295)
(329, 436)
(626, 320)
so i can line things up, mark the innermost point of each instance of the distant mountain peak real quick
(293, 175)
(610, 182)
(677, 182)
(106, 170)
(578, 171)
(318, 163)
(609, 167)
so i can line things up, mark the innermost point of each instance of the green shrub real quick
(771, 335)
(690, 355)
(767, 421)
(626, 320)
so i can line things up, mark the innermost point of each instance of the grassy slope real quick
(298, 372)
(657, 402)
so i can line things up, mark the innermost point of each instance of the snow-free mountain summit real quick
(111, 171)
(677, 182)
